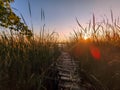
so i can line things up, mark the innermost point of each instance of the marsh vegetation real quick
(26, 59)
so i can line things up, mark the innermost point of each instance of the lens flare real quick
(95, 52)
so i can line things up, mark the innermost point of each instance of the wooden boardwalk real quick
(68, 75)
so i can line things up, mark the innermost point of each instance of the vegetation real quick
(25, 63)
(98, 55)
(9, 19)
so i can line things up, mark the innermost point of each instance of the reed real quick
(23, 60)
(103, 36)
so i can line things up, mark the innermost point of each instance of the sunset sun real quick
(85, 37)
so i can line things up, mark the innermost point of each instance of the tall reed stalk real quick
(103, 37)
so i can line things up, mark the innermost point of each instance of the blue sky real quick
(60, 14)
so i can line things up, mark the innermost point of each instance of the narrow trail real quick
(68, 73)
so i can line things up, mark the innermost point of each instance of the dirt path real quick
(69, 77)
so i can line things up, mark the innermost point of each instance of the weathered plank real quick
(69, 78)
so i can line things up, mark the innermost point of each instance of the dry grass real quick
(24, 62)
(104, 36)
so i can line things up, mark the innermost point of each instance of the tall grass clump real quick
(26, 59)
(24, 62)
(99, 55)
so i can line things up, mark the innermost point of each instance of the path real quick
(69, 77)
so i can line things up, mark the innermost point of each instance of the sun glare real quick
(85, 37)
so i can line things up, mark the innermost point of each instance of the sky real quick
(60, 14)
